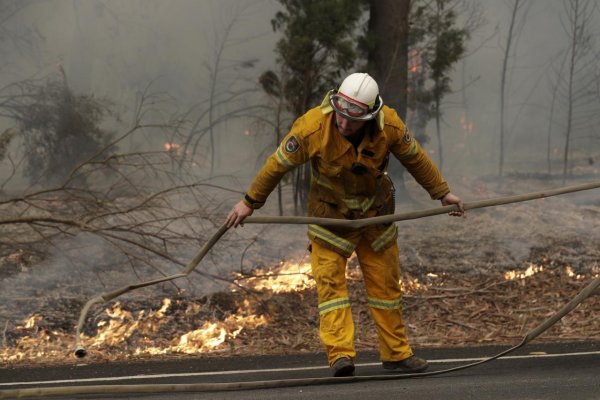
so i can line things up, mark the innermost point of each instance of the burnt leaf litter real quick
(485, 279)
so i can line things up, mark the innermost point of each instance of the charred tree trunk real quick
(388, 63)
(575, 29)
(388, 59)
(503, 85)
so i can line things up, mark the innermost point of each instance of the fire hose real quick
(80, 351)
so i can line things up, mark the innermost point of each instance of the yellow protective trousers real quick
(381, 272)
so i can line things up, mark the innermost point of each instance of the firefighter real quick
(348, 140)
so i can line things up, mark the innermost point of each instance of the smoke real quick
(540, 42)
(74, 268)
(188, 51)
(115, 49)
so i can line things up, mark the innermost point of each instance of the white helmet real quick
(357, 98)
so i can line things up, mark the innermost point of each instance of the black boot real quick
(411, 364)
(343, 366)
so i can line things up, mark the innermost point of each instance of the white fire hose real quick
(212, 387)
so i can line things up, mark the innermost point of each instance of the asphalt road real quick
(536, 371)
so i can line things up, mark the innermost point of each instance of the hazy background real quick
(115, 48)
(183, 49)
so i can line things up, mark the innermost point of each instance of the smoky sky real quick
(116, 48)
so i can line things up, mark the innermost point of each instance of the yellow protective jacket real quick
(339, 190)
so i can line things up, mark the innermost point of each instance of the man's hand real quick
(237, 214)
(453, 199)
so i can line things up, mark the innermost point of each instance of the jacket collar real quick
(334, 145)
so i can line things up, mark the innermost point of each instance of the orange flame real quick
(142, 329)
(466, 125)
(414, 62)
(287, 277)
(531, 270)
(170, 146)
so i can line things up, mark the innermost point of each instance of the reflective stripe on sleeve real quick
(283, 159)
(335, 304)
(412, 151)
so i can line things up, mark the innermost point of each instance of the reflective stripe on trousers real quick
(381, 278)
(346, 247)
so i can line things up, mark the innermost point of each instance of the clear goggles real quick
(354, 111)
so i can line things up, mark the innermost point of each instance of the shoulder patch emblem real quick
(407, 138)
(292, 145)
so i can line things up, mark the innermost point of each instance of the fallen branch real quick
(80, 350)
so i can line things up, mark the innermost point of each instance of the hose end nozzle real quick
(80, 352)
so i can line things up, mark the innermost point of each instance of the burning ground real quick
(484, 279)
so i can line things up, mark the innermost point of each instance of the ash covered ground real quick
(486, 278)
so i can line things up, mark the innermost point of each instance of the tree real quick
(59, 128)
(581, 103)
(16, 39)
(512, 34)
(272, 86)
(554, 87)
(437, 42)
(138, 203)
(318, 44)
(411, 46)
(386, 46)
(228, 90)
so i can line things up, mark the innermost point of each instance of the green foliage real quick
(270, 83)
(438, 42)
(59, 128)
(318, 44)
